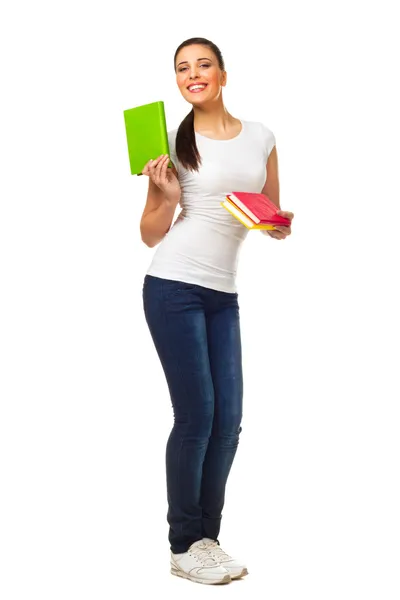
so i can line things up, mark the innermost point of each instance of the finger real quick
(164, 161)
(153, 164)
(277, 235)
(164, 169)
(164, 165)
(159, 169)
(157, 160)
(146, 168)
(286, 213)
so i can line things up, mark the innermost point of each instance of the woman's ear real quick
(224, 78)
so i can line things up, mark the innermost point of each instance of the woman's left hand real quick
(281, 231)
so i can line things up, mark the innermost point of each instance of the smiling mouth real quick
(196, 88)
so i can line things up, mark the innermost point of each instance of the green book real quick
(146, 134)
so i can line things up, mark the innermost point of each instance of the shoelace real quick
(217, 550)
(202, 554)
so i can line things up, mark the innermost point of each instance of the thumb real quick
(285, 213)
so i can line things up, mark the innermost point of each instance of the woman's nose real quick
(193, 73)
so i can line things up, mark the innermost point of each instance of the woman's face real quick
(196, 65)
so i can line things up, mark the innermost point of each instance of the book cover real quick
(243, 218)
(258, 207)
(146, 134)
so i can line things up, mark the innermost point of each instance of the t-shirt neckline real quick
(229, 140)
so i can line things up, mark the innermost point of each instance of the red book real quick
(258, 207)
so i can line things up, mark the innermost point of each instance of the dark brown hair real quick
(185, 144)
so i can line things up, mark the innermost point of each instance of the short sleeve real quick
(172, 148)
(268, 139)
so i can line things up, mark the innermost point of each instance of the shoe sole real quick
(242, 574)
(227, 578)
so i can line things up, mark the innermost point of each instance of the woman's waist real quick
(202, 240)
(202, 223)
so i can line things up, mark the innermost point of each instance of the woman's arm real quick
(271, 187)
(158, 213)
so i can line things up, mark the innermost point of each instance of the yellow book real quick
(242, 217)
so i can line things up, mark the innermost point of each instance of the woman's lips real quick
(197, 90)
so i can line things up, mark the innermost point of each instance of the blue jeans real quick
(196, 332)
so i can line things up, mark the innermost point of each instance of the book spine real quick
(164, 126)
(244, 208)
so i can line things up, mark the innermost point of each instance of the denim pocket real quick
(172, 288)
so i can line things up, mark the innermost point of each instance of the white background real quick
(313, 498)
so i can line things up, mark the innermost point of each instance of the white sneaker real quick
(234, 567)
(197, 565)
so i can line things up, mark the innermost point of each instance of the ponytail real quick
(185, 144)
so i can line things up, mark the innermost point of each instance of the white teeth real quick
(197, 87)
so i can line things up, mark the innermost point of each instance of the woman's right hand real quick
(163, 177)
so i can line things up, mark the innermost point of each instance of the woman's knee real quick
(196, 425)
(228, 425)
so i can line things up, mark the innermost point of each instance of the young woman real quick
(191, 303)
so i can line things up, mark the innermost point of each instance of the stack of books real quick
(255, 211)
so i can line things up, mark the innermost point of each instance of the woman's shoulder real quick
(172, 145)
(172, 140)
(172, 134)
(257, 126)
(260, 131)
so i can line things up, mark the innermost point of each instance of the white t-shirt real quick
(203, 245)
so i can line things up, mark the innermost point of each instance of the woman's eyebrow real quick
(185, 61)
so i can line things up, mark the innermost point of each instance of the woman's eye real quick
(203, 65)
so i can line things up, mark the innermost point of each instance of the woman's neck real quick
(217, 122)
